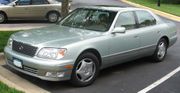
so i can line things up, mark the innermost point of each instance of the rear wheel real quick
(161, 50)
(85, 70)
(2, 17)
(53, 17)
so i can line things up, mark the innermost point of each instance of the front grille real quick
(31, 70)
(24, 48)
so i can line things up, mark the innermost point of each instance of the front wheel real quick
(161, 50)
(85, 70)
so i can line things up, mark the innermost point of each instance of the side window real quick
(38, 2)
(126, 20)
(145, 19)
(23, 2)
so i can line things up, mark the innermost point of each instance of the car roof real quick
(112, 7)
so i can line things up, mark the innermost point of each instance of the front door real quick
(20, 10)
(124, 46)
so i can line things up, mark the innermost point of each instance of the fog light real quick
(55, 74)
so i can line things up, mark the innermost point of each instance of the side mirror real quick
(119, 30)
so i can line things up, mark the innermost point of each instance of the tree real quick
(159, 3)
(65, 7)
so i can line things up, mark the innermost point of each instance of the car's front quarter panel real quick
(100, 44)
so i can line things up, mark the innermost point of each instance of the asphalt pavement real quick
(130, 77)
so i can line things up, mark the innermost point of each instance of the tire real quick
(84, 75)
(53, 17)
(161, 50)
(3, 18)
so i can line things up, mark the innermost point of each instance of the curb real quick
(164, 14)
(11, 84)
(26, 87)
(1, 60)
(1, 55)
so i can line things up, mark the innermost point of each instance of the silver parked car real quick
(87, 40)
(31, 9)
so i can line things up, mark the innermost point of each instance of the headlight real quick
(51, 53)
(9, 43)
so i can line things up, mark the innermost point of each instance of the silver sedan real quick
(87, 40)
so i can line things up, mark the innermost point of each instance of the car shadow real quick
(104, 74)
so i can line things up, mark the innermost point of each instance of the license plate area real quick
(18, 63)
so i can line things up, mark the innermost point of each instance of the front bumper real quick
(38, 67)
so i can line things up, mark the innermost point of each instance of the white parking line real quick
(163, 79)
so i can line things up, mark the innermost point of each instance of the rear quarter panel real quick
(168, 29)
(54, 7)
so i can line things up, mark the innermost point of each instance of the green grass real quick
(5, 89)
(169, 8)
(3, 40)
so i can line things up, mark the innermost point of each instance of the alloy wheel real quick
(161, 50)
(85, 70)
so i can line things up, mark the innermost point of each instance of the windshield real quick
(90, 19)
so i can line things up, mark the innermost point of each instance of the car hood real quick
(54, 36)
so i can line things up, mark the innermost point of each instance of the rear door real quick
(149, 32)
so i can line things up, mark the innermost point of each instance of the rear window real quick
(145, 19)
